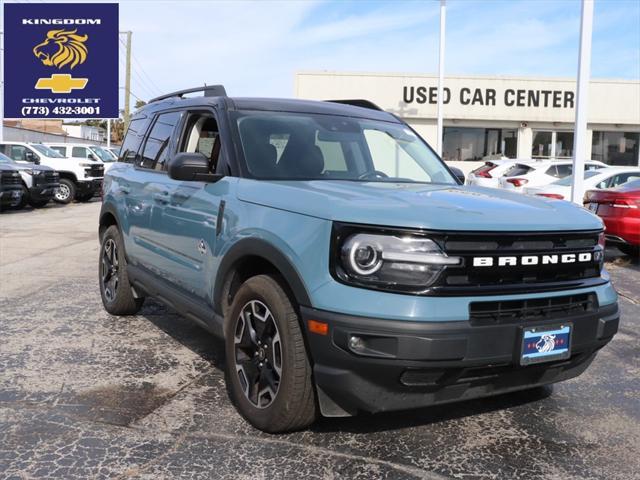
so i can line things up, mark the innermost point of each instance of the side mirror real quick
(31, 157)
(458, 174)
(191, 167)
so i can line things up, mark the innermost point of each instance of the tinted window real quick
(156, 147)
(564, 170)
(623, 178)
(518, 169)
(133, 139)
(80, 152)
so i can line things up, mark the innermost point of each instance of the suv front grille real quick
(512, 311)
(10, 179)
(47, 178)
(519, 278)
(95, 171)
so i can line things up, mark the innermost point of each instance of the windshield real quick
(292, 146)
(43, 149)
(102, 154)
(566, 181)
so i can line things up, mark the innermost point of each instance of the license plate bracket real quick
(546, 343)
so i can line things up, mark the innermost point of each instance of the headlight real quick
(400, 262)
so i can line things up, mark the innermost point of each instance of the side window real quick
(553, 171)
(390, 159)
(18, 152)
(80, 152)
(156, 147)
(333, 155)
(133, 140)
(61, 150)
(201, 136)
(564, 170)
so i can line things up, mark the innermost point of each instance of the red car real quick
(620, 209)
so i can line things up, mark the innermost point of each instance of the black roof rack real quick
(358, 103)
(209, 91)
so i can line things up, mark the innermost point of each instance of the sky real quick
(254, 48)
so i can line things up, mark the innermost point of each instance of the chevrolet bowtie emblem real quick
(61, 83)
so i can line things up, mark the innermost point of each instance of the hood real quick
(412, 205)
(31, 166)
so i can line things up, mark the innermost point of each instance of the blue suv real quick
(343, 263)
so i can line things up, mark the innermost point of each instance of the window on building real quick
(615, 148)
(552, 144)
(460, 144)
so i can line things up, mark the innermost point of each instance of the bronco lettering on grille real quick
(527, 260)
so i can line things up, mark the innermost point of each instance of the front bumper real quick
(415, 364)
(10, 197)
(43, 192)
(94, 185)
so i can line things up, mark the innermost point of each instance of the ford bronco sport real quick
(344, 264)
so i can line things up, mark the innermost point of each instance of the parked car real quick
(602, 178)
(345, 266)
(82, 151)
(39, 182)
(488, 175)
(539, 173)
(10, 187)
(619, 207)
(79, 179)
(115, 151)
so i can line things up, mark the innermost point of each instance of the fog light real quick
(357, 344)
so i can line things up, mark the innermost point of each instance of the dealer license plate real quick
(545, 344)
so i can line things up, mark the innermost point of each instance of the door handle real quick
(161, 197)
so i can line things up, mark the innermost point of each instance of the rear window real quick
(518, 169)
(484, 168)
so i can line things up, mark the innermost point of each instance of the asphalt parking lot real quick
(87, 395)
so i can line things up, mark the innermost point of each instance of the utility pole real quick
(582, 102)
(127, 82)
(2, 71)
(443, 14)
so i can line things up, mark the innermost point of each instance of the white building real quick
(492, 117)
(87, 132)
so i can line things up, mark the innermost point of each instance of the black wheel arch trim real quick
(259, 248)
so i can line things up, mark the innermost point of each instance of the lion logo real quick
(61, 48)
(546, 344)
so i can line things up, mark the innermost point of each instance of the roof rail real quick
(209, 91)
(358, 103)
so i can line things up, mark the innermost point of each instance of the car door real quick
(185, 230)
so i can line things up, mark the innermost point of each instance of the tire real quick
(66, 192)
(631, 250)
(293, 406)
(24, 200)
(115, 288)
(38, 203)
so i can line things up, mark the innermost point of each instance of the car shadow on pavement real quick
(211, 349)
(380, 422)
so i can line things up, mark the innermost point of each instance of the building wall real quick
(521, 104)
(14, 134)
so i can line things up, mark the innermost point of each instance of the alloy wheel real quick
(258, 354)
(109, 269)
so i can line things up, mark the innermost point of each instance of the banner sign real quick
(61, 60)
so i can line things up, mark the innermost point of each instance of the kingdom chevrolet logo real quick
(61, 83)
(553, 259)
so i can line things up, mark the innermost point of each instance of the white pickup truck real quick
(79, 179)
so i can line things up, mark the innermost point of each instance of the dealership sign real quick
(491, 97)
(61, 60)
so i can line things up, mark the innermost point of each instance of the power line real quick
(146, 85)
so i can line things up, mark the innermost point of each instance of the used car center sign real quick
(61, 60)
